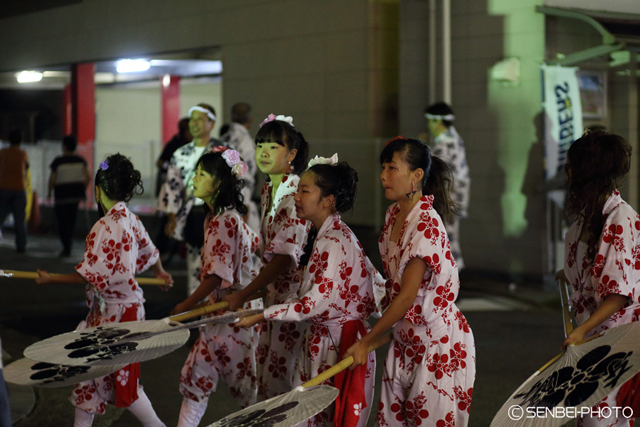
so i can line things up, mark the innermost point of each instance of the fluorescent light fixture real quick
(29, 76)
(132, 65)
(166, 80)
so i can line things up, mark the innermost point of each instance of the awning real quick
(619, 31)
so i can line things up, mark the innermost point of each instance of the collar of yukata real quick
(449, 117)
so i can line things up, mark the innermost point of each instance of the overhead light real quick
(132, 65)
(166, 80)
(29, 76)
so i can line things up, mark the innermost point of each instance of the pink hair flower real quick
(232, 157)
(271, 117)
(280, 117)
(240, 169)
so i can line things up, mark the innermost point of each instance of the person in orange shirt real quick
(14, 163)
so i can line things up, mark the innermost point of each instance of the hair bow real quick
(317, 160)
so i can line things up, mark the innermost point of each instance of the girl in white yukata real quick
(337, 295)
(117, 248)
(221, 351)
(281, 152)
(430, 368)
(602, 246)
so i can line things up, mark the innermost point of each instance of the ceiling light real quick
(29, 76)
(166, 80)
(132, 65)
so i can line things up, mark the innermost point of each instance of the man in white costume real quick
(449, 146)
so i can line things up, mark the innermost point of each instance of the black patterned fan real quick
(42, 374)
(121, 343)
(297, 405)
(578, 379)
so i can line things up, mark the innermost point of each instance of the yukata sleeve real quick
(615, 269)
(172, 192)
(101, 259)
(148, 254)
(322, 301)
(221, 248)
(289, 234)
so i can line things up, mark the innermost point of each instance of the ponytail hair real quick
(437, 179)
(285, 134)
(118, 179)
(229, 186)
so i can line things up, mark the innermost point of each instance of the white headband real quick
(449, 117)
(209, 114)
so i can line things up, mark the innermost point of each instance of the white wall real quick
(128, 120)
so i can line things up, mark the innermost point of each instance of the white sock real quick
(191, 412)
(144, 412)
(83, 418)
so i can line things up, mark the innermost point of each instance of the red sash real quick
(629, 395)
(126, 379)
(350, 383)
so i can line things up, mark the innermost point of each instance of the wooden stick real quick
(345, 363)
(205, 309)
(564, 298)
(33, 275)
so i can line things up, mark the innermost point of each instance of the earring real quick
(412, 192)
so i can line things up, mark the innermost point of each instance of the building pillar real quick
(170, 88)
(83, 116)
(67, 111)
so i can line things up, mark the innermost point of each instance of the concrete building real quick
(353, 74)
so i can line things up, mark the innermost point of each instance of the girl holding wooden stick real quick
(430, 368)
(221, 351)
(281, 152)
(602, 248)
(117, 248)
(336, 296)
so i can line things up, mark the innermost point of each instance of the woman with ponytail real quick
(430, 368)
(336, 295)
(281, 153)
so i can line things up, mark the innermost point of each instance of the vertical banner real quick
(563, 115)
(562, 126)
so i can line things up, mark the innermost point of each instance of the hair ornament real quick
(272, 117)
(232, 157)
(448, 117)
(104, 165)
(209, 114)
(317, 160)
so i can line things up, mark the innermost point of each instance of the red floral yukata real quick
(117, 248)
(430, 368)
(223, 350)
(282, 233)
(616, 270)
(337, 287)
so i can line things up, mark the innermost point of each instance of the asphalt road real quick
(513, 338)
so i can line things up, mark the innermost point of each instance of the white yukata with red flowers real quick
(282, 233)
(224, 351)
(337, 287)
(117, 248)
(616, 270)
(430, 368)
